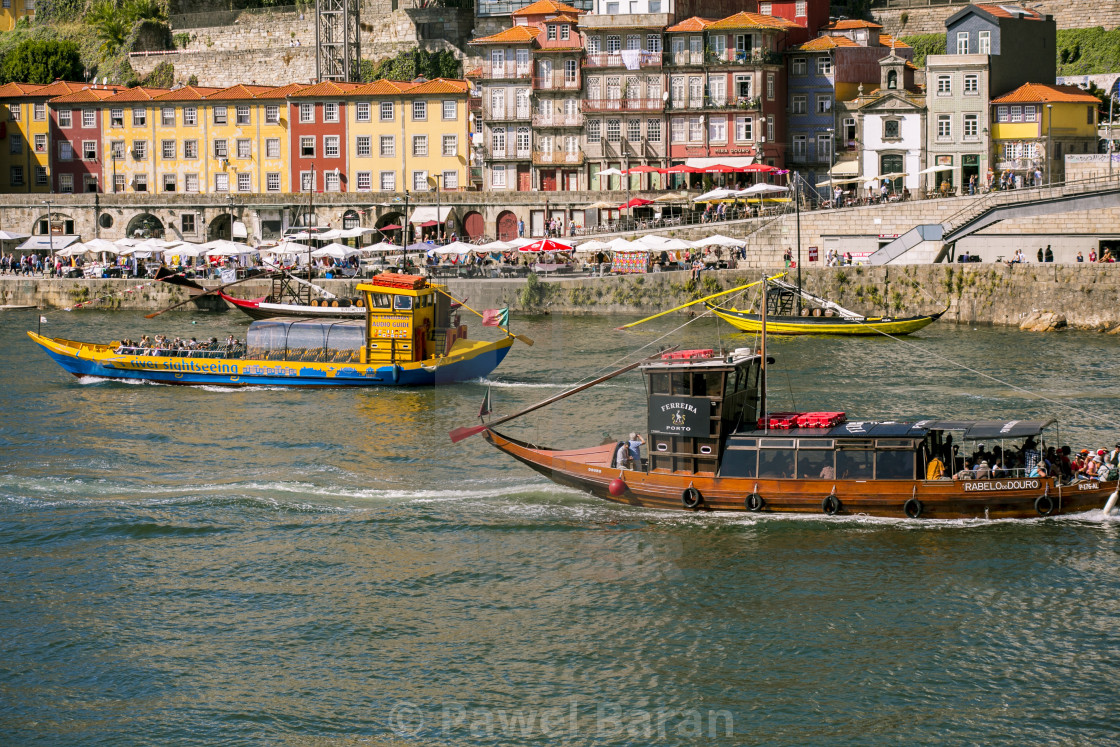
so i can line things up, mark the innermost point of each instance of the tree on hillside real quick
(414, 64)
(42, 61)
(112, 20)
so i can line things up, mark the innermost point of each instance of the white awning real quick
(425, 213)
(845, 168)
(239, 230)
(37, 243)
(736, 162)
(935, 169)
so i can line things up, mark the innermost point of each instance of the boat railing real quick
(182, 353)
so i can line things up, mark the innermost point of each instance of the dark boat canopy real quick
(988, 430)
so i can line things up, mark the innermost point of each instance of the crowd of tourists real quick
(1031, 460)
(178, 346)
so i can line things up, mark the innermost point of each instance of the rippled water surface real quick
(195, 566)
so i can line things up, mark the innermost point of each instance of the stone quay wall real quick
(1082, 296)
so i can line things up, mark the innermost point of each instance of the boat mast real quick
(310, 212)
(797, 212)
(762, 368)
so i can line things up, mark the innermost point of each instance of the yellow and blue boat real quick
(409, 337)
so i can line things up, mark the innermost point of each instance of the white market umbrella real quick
(455, 248)
(762, 188)
(521, 241)
(381, 247)
(936, 169)
(622, 245)
(15, 236)
(73, 250)
(126, 242)
(187, 249)
(226, 248)
(594, 245)
(611, 172)
(673, 245)
(332, 233)
(336, 251)
(719, 240)
(496, 246)
(101, 245)
(714, 195)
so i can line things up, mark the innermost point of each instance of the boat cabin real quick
(704, 419)
(406, 320)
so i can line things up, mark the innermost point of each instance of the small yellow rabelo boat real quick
(816, 316)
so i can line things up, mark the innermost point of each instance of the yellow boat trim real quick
(869, 326)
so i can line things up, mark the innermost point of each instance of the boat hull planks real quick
(261, 309)
(469, 360)
(589, 470)
(811, 325)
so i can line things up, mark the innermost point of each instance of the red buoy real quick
(617, 487)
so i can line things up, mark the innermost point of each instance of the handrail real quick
(1026, 194)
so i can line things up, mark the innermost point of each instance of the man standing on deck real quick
(1030, 453)
(635, 445)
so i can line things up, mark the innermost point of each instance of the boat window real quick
(812, 465)
(816, 443)
(853, 464)
(680, 383)
(738, 380)
(659, 383)
(739, 462)
(894, 443)
(306, 341)
(402, 303)
(344, 343)
(267, 340)
(776, 462)
(776, 443)
(752, 376)
(894, 465)
(748, 442)
(380, 301)
(710, 382)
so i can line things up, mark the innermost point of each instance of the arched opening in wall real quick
(351, 219)
(473, 224)
(60, 225)
(219, 228)
(144, 226)
(507, 226)
(892, 80)
(389, 226)
(303, 219)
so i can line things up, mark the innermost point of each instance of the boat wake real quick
(534, 385)
(96, 380)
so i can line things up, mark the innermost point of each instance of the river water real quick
(196, 566)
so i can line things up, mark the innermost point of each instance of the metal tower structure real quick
(337, 41)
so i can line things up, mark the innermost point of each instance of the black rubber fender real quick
(691, 498)
(1044, 504)
(755, 502)
(912, 508)
(831, 505)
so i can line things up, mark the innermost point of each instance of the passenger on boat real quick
(828, 472)
(998, 470)
(983, 471)
(622, 455)
(965, 472)
(1031, 454)
(635, 445)
(1065, 466)
(935, 470)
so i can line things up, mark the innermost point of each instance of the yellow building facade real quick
(25, 135)
(13, 10)
(1036, 125)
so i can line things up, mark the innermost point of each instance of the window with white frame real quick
(306, 181)
(824, 104)
(653, 41)
(167, 150)
(140, 149)
(1001, 113)
(614, 131)
(243, 183)
(116, 117)
(552, 32)
(65, 117)
(167, 116)
(799, 103)
(387, 111)
(39, 113)
(614, 43)
(14, 112)
(40, 141)
(944, 85)
(420, 181)
(190, 116)
(221, 115)
(272, 147)
(332, 181)
(307, 146)
(89, 150)
(363, 146)
(66, 183)
(306, 113)
(498, 141)
(116, 148)
(594, 131)
(331, 146)
(65, 151)
(985, 42)
(419, 111)
(498, 177)
(419, 145)
(118, 183)
(971, 125)
(190, 149)
(450, 110)
(770, 127)
(565, 32)
(450, 179)
(677, 132)
(944, 127)
(221, 182)
(242, 115)
(244, 148)
(799, 66)
(1016, 114)
(717, 130)
(800, 147)
(962, 42)
(1030, 113)
(824, 65)
(744, 128)
(634, 130)
(696, 129)
(365, 181)
(272, 114)
(330, 112)
(450, 147)
(971, 84)
(824, 147)
(89, 118)
(221, 149)
(388, 181)
(594, 44)
(653, 130)
(170, 183)
(891, 129)
(770, 86)
(140, 182)
(272, 181)
(801, 8)
(387, 146)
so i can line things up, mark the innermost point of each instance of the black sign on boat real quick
(676, 415)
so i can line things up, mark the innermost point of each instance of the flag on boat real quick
(42, 320)
(486, 408)
(495, 317)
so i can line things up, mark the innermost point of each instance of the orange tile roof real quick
(383, 87)
(240, 92)
(745, 20)
(1002, 11)
(324, 89)
(542, 7)
(512, 35)
(1032, 93)
(140, 93)
(691, 24)
(439, 85)
(12, 90)
(851, 23)
(564, 18)
(188, 93)
(59, 88)
(87, 95)
(888, 41)
(280, 93)
(823, 43)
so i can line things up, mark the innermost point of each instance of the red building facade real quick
(318, 118)
(75, 135)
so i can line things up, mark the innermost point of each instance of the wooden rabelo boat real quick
(792, 310)
(293, 296)
(408, 336)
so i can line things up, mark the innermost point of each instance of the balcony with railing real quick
(558, 81)
(743, 57)
(557, 157)
(506, 114)
(487, 8)
(685, 58)
(617, 59)
(510, 70)
(623, 105)
(714, 103)
(558, 120)
(508, 154)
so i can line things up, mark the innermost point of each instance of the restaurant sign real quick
(680, 416)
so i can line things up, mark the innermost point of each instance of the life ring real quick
(831, 505)
(755, 502)
(1044, 504)
(691, 498)
(912, 508)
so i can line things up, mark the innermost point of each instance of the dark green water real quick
(187, 566)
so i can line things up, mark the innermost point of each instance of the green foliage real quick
(112, 20)
(193, 80)
(925, 44)
(535, 294)
(42, 61)
(58, 11)
(413, 64)
(1088, 51)
(181, 40)
(162, 76)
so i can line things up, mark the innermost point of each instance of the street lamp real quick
(229, 209)
(831, 165)
(439, 216)
(50, 231)
(1049, 155)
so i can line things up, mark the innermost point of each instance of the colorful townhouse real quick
(76, 139)
(1035, 126)
(26, 126)
(129, 135)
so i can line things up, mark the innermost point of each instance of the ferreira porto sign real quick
(680, 416)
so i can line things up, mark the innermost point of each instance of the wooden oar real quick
(206, 293)
(459, 434)
(698, 300)
(527, 340)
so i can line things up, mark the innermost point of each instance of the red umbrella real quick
(429, 223)
(643, 170)
(719, 169)
(682, 169)
(545, 245)
(391, 227)
(761, 167)
(636, 202)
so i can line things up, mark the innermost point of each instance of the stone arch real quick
(506, 225)
(144, 226)
(473, 224)
(351, 219)
(220, 227)
(62, 223)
